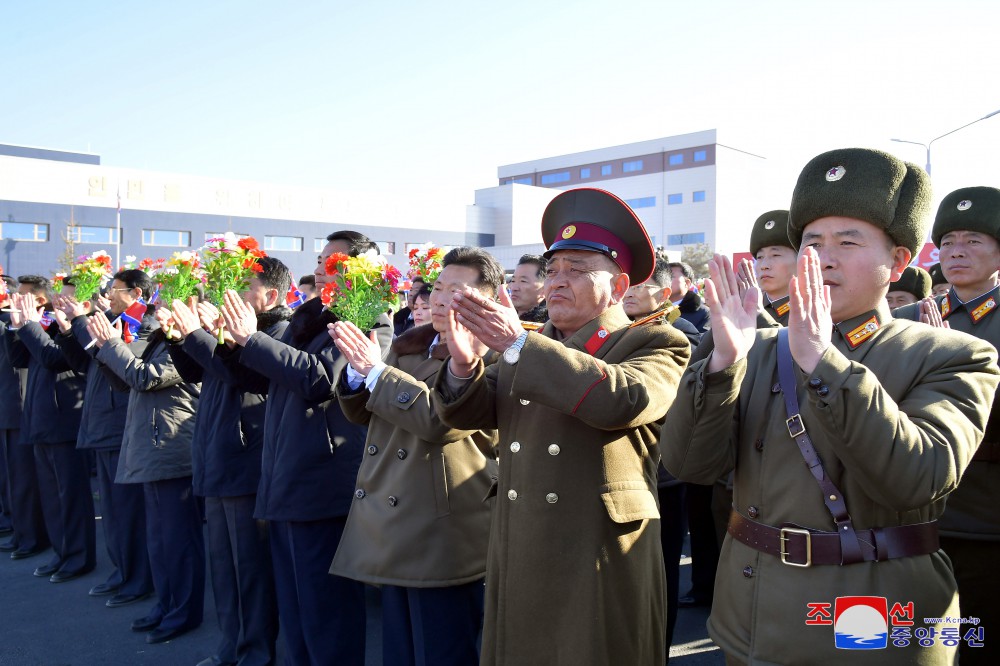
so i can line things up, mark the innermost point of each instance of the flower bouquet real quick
(229, 264)
(425, 263)
(179, 277)
(361, 289)
(90, 274)
(57, 282)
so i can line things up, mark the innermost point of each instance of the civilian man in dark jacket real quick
(53, 400)
(29, 537)
(686, 297)
(156, 452)
(309, 467)
(226, 454)
(102, 426)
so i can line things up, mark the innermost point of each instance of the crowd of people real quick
(516, 464)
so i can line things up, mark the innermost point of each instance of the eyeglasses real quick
(119, 289)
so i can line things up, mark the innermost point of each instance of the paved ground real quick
(42, 624)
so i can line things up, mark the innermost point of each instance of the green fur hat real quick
(968, 209)
(914, 280)
(771, 228)
(863, 184)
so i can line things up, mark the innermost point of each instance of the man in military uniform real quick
(887, 414)
(774, 262)
(967, 233)
(912, 286)
(575, 571)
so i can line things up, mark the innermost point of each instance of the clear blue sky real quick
(393, 97)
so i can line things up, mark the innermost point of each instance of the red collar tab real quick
(864, 331)
(946, 306)
(597, 340)
(782, 309)
(983, 309)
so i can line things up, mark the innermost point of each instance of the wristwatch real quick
(513, 353)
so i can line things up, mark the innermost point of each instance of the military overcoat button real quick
(401, 454)
(372, 450)
(393, 501)
(759, 445)
(512, 494)
(815, 382)
(747, 571)
(776, 388)
(552, 498)
(554, 449)
(822, 391)
(753, 512)
(403, 397)
(525, 402)
(515, 447)
(360, 494)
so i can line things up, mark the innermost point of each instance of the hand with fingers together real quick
(185, 319)
(26, 306)
(495, 324)
(167, 323)
(464, 347)
(361, 351)
(930, 313)
(239, 317)
(745, 276)
(211, 318)
(810, 325)
(734, 316)
(71, 307)
(101, 330)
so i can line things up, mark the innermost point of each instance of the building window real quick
(674, 199)
(642, 202)
(386, 247)
(585, 172)
(700, 156)
(283, 243)
(82, 234)
(606, 170)
(676, 158)
(698, 196)
(166, 238)
(552, 178)
(209, 235)
(24, 231)
(634, 165)
(319, 244)
(522, 181)
(685, 239)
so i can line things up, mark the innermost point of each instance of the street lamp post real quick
(927, 146)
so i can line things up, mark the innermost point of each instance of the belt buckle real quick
(784, 553)
(795, 426)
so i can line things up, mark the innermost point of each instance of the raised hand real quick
(69, 306)
(101, 330)
(930, 313)
(360, 351)
(167, 323)
(810, 325)
(209, 315)
(102, 301)
(464, 347)
(745, 276)
(26, 306)
(495, 324)
(185, 319)
(62, 320)
(240, 319)
(734, 317)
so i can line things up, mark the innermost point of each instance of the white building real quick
(686, 189)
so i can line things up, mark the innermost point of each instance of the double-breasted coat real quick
(422, 518)
(575, 570)
(895, 417)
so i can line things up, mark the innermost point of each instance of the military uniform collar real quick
(779, 306)
(592, 335)
(862, 328)
(978, 307)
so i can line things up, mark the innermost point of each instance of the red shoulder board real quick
(597, 340)
(983, 309)
(862, 332)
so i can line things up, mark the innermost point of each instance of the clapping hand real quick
(930, 313)
(240, 319)
(185, 318)
(360, 351)
(734, 316)
(101, 330)
(496, 325)
(810, 324)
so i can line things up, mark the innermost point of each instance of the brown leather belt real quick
(988, 452)
(799, 547)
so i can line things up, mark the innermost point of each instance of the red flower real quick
(258, 253)
(333, 261)
(329, 291)
(248, 243)
(257, 268)
(414, 252)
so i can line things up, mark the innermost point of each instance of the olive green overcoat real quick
(895, 420)
(575, 570)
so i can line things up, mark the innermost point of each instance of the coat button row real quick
(403, 397)
(551, 498)
(372, 450)
(515, 447)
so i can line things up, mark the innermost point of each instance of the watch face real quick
(512, 355)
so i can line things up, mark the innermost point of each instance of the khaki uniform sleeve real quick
(698, 439)
(472, 408)
(608, 396)
(914, 451)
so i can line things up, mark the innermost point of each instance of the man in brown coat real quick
(418, 525)
(575, 572)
